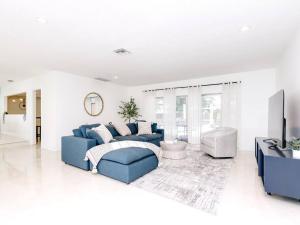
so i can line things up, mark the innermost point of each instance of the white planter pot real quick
(296, 154)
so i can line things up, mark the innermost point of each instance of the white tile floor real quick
(37, 188)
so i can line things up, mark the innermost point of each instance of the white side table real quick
(173, 149)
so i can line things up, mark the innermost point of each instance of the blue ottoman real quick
(127, 164)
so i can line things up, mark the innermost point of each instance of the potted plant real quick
(294, 145)
(129, 110)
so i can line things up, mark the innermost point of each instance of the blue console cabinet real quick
(279, 170)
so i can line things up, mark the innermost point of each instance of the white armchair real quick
(220, 143)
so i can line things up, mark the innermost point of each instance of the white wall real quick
(71, 91)
(288, 78)
(62, 109)
(257, 87)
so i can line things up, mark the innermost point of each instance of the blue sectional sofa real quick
(125, 165)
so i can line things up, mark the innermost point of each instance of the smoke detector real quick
(122, 51)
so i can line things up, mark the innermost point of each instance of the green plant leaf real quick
(129, 110)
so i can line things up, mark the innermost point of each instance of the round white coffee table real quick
(173, 149)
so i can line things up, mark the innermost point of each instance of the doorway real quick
(38, 117)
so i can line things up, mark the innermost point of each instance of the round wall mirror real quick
(93, 104)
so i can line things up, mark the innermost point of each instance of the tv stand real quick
(278, 169)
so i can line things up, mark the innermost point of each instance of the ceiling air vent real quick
(101, 79)
(122, 51)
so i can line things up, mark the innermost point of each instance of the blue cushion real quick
(84, 127)
(127, 173)
(154, 127)
(91, 134)
(112, 130)
(77, 133)
(130, 138)
(150, 137)
(127, 156)
(133, 128)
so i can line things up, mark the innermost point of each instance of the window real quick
(211, 111)
(159, 111)
(181, 117)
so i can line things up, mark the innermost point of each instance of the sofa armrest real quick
(162, 132)
(73, 150)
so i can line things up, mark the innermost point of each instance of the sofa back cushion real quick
(133, 128)
(87, 126)
(92, 134)
(154, 127)
(77, 133)
(112, 130)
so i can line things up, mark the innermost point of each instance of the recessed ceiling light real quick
(122, 51)
(41, 20)
(116, 77)
(246, 28)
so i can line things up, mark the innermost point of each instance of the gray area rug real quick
(197, 181)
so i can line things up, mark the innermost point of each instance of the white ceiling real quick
(168, 39)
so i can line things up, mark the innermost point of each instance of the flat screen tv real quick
(277, 122)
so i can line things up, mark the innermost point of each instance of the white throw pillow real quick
(103, 133)
(144, 128)
(122, 128)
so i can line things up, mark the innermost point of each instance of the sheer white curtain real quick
(231, 105)
(194, 115)
(170, 114)
(148, 109)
